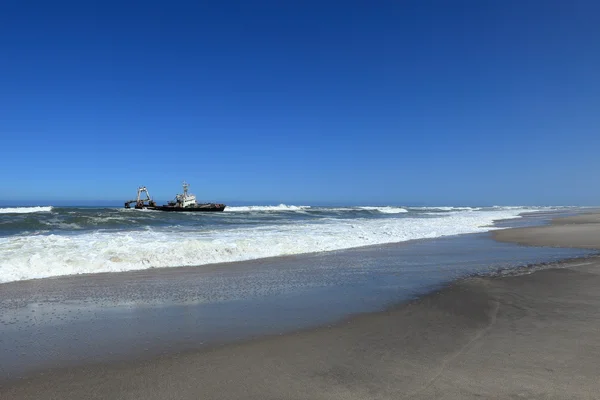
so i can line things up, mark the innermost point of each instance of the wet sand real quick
(578, 231)
(528, 336)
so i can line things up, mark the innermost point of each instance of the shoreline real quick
(577, 231)
(239, 264)
(497, 336)
(45, 256)
(467, 339)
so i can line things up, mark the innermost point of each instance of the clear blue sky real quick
(386, 102)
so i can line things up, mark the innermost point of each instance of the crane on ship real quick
(140, 202)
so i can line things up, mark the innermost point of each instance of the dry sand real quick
(534, 336)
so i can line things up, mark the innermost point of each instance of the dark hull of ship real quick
(198, 208)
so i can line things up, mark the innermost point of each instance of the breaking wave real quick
(39, 256)
(281, 207)
(446, 208)
(24, 210)
(386, 209)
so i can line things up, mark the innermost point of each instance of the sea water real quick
(41, 242)
(304, 266)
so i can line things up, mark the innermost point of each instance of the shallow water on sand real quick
(94, 318)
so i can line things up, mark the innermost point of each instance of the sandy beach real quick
(532, 335)
(299, 200)
(578, 231)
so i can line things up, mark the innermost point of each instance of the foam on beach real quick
(39, 256)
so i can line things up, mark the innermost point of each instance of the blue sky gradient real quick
(386, 102)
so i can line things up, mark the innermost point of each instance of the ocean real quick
(42, 242)
(85, 285)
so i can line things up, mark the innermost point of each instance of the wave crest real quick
(386, 209)
(446, 208)
(25, 210)
(281, 207)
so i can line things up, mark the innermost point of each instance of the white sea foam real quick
(445, 208)
(386, 209)
(24, 210)
(28, 257)
(281, 207)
